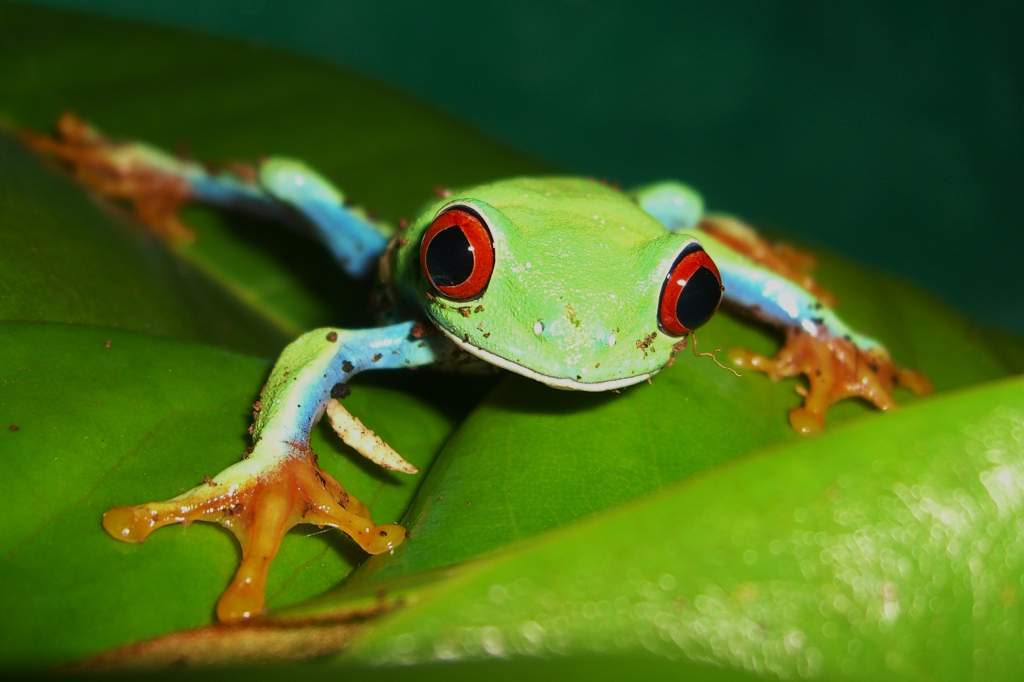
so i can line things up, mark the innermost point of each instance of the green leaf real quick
(822, 557)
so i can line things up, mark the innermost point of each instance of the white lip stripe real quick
(555, 382)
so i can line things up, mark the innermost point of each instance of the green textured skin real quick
(579, 257)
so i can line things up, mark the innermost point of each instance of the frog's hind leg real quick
(136, 174)
(773, 283)
(156, 184)
(279, 485)
(788, 261)
(679, 207)
(838, 362)
(836, 369)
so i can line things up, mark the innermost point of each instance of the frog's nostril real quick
(538, 327)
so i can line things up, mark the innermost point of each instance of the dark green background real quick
(891, 132)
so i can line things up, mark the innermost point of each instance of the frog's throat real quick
(554, 382)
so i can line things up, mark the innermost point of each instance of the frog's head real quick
(562, 280)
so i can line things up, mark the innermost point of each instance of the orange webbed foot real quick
(259, 507)
(836, 369)
(138, 175)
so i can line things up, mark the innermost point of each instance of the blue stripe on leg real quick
(353, 239)
(311, 366)
(290, 192)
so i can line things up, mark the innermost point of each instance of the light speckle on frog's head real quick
(575, 284)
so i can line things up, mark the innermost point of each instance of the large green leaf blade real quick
(818, 558)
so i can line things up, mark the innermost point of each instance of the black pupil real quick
(449, 257)
(698, 299)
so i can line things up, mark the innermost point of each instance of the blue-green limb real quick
(279, 485)
(157, 183)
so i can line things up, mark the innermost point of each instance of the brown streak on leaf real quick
(264, 641)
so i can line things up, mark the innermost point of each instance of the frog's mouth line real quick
(554, 382)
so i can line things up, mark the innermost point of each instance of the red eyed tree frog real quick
(482, 275)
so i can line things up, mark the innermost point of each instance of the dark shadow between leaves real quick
(303, 258)
(524, 395)
(455, 395)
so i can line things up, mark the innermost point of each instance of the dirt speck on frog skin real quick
(646, 344)
(571, 315)
(14, 428)
(677, 348)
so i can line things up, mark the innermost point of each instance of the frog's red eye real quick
(457, 254)
(691, 293)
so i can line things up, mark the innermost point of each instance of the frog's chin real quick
(555, 382)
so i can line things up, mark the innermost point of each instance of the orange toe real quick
(260, 513)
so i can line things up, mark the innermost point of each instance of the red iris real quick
(691, 293)
(457, 254)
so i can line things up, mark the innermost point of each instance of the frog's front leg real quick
(279, 485)
(773, 283)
